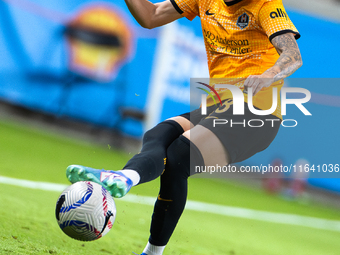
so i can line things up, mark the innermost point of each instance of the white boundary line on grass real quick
(237, 212)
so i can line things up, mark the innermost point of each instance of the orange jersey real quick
(238, 40)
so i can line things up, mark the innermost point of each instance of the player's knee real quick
(150, 136)
(163, 133)
(182, 157)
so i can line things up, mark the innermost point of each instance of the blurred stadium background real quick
(81, 81)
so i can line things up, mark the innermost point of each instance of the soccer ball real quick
(85, 211)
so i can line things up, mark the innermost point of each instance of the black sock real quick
(149, 163)
(173, 191)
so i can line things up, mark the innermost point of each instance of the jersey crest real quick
(243, 21)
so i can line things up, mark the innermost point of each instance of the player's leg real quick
(150, 162)
(205, 144)
(143, 167)
(183, 155)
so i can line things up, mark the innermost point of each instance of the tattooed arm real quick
(290, 57)
(288, 62)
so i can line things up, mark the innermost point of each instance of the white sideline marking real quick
(237, 212)
(32, 184)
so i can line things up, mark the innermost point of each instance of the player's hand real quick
(257, 82)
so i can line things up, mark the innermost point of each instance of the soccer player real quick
(250, 44)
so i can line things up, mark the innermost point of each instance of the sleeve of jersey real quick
(188, 8)
(275, 21)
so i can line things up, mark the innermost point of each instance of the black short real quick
(241, 135)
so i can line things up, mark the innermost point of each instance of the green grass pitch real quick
(28, 225)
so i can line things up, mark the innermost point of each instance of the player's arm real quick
(150, 15)
(289, 61)
(290, 58)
